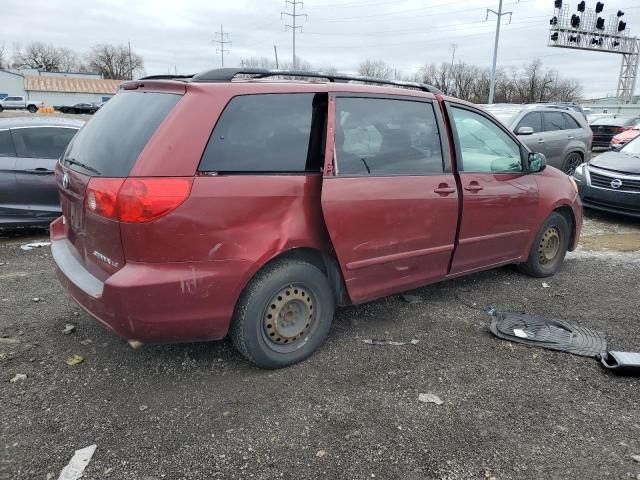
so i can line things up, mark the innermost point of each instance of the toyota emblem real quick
(616, 183)
(65, 180)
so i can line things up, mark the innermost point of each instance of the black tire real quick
(571, 162)
(283, 315)
(32, 108)
(549, 248)
(1, 109)
(91, 112)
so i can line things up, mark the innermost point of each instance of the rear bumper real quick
(154, 303)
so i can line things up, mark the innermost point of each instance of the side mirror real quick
(536, 162)
(525, 131)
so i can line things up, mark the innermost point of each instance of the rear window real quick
(110, 143)
(616, 122)
(268, 133)
(571, 122)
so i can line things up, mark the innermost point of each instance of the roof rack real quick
(228, 74)
(165, 77)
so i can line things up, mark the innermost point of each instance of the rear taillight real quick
(136, 200)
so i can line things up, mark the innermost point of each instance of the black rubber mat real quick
(550, 334)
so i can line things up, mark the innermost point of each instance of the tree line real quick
(529, 83)
(114, 62)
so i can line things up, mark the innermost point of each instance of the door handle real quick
(39, 171)
(473, 187)
(444, 190)
(570, 137)
(540, 140)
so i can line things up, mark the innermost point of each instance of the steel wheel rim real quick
(572, 163)
(549, 246)
(289, 318)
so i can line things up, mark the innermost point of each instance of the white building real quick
(57, 88)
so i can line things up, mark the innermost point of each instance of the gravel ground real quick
(199, 411)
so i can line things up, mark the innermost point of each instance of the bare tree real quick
(37, 55)
(114, 62)
(375, 69)
(258, 62)
(3, 61)
(70, 61)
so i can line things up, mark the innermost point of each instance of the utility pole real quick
(499, 14)
(222, 42)
(454, 46)
(275, 50)
(294, 27)
(130, 63)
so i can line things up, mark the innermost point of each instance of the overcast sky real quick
(403, 33)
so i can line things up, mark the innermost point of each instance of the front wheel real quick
(283, 315)
(32, 108)
(571, 163)
(549, 248)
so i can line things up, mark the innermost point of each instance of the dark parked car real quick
(201, 205)
(611, 181)
(29, 149)
(87, 108)
(605, 128)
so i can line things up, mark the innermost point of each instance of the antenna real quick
(293, 27)
(222, 42)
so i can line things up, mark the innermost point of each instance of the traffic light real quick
(621, 26)
(575, 21)
(596, 41)
(574, 38)
(558, 3)
(600, 23)
(616, 43)
(581, 6)
(553, 21)
(620, 13)
(554, 36)
(599, 7)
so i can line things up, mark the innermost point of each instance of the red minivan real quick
(232, 201)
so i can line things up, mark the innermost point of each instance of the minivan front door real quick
(499, 200)
(391, 203)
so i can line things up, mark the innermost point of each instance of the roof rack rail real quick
(228, 74)
(165, 77)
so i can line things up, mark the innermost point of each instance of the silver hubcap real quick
(549, 246)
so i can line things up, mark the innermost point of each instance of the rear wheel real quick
(571, 162)
(284, 314)
(549, 248)
(1, 109)
(32, 108)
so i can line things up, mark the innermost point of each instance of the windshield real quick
(505, 115)
(632, 148)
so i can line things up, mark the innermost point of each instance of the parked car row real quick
(19, 103)
(79, 108)
(605, 129)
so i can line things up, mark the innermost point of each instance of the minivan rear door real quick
(8, 205)
(105, 150)
(389, 198)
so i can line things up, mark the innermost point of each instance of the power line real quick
(294, 16)
(222, 42)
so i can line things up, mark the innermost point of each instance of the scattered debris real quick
(74, 359)
(429, 398)
(31, 246)
(415, 341)
(36, 299)
(75, 468)
(69, 328)
(18, 377)
(411, 298)
(518, 332)
(86, 341)
(142, 408)
(9, 340)
(622, 362)
(383, 342)
(321, 453)
(545, 285)
(135, 344)
(75, 314)
(636, 458)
